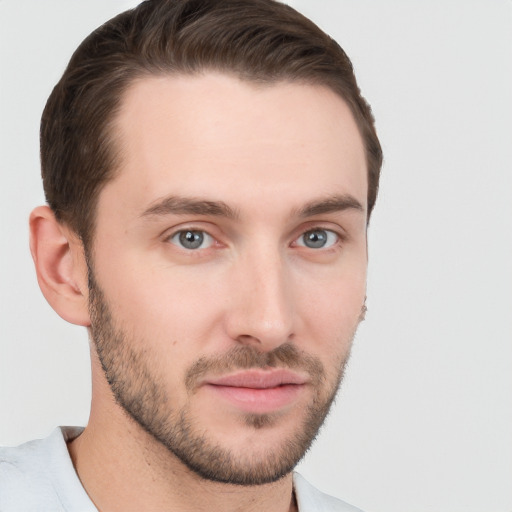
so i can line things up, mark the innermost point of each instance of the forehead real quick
(215, 135)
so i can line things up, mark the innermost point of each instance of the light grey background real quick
(424, 420)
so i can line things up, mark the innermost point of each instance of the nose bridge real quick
(264, 310)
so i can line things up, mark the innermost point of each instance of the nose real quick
(262, 311)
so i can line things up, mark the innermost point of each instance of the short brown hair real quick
(257, 40)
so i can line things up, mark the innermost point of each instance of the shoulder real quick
(22, 468)
(310, 499)
(39, 475)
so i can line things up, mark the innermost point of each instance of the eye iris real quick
(191, 239)
(315, 239)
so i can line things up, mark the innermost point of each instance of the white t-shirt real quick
(39, 476)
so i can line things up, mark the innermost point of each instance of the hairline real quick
(112, 131)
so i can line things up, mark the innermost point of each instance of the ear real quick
(60, 264)
(364, 309)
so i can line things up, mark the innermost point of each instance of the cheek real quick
(160, 302)
(335, 316)
(331, 309)
(335, 290)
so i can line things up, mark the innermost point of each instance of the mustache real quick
(246, 357)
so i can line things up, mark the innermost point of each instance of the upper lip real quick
(258, 379)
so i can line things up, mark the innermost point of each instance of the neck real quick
(124, 468)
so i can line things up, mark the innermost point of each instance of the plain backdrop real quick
(424, 419)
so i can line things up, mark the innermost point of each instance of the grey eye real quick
(318, 239)
(189, 239)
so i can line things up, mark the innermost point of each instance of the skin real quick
(283, 160)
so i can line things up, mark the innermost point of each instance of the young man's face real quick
(229, 267)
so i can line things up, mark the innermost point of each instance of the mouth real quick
(258, 391)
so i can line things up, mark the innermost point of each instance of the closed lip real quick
(259, 379)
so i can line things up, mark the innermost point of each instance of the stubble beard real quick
(138, 391)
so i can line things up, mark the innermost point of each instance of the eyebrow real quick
(331, 204)
(174, 205)
(189, 205)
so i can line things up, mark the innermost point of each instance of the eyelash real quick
(200, 233)
(333, 238)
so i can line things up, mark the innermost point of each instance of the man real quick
(210, 169)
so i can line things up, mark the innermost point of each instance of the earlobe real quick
(60, 266)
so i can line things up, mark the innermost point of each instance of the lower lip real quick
(258, 401)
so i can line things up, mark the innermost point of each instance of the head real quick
(212, 166)
(269, 43)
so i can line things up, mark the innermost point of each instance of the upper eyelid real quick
(340, 237)
(176, 233)
(324, 225)
(192, 226)
(217, 234)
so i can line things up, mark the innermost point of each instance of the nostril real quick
(247, 339)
